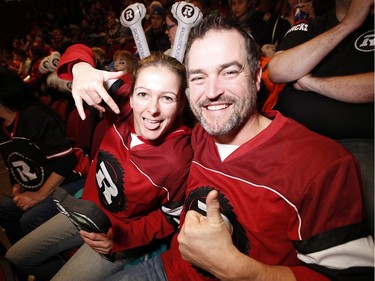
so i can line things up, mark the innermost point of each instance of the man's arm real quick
(286, 66)
(352, 88)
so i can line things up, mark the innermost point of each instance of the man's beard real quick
(242, 109)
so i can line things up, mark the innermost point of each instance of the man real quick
(267, 199)
(155, 34)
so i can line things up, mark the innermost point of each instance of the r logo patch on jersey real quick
(110, 180)
(196, 201)
(26, 171)
(366, 42)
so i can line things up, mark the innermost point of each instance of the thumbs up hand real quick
(203, 240)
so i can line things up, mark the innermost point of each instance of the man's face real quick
(157, 22)
(222, 93)
(240, 8)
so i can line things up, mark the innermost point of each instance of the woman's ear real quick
(131, 100)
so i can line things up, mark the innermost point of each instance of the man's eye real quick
(196, 78)
(231, 72)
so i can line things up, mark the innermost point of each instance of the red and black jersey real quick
(33, 147)
(140, 187)
(293, 198)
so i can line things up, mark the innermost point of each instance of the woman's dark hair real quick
(14, 93)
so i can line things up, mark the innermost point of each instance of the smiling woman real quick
(138, 176)
(156, 106)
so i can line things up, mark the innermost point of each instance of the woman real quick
(138, 178)
(37, 153)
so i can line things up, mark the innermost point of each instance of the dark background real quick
(17, 17)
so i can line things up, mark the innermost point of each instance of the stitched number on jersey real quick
(27, 172)
(110, 180)
(196, 201)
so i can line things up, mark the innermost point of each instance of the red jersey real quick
(284, 191)
(141, 188)
(139, 184)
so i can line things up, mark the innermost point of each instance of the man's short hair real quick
(225, 23)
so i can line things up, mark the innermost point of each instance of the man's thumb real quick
(213, 207)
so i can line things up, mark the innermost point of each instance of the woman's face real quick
(171, 29)
(120, 64)
(156, 101)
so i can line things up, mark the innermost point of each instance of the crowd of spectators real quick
(96, 24)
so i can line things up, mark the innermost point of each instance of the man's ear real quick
(258, 78)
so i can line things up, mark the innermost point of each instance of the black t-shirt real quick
(354, 55)
(34, 147)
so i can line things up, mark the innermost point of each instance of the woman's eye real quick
(167, 99)
(141, 94)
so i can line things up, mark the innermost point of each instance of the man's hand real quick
(89, 85)
(99, 242)
(203, 239)
(27, 199)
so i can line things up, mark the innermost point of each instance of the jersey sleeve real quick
(74, 54)
(335, 241)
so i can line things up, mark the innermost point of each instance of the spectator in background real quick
(276, 25)
(59, 42)
(247, 14)
(23, 62)
(34, 77)
(123, 61)
(85, 34)
(330, 91)
(170, 28)
(38, 155)
(149, 8)
(155, 34)
(112, 36)
(100, 57)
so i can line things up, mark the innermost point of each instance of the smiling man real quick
(267, 199)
